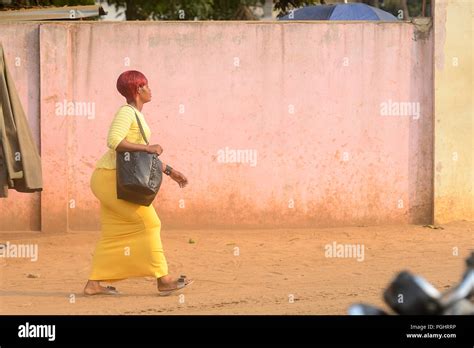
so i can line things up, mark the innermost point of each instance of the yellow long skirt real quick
(130, 245)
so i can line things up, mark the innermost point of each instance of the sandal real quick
(108, 290)
(182, 283)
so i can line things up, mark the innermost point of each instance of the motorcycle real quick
(410, 294)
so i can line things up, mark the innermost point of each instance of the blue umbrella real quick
(340, 12)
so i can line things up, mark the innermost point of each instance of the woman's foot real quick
(167, 285)
(93, 287)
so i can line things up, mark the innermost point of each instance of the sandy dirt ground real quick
(282, 271)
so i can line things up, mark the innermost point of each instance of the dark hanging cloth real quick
(20, 163)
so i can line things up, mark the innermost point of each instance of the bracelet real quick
(168, 170)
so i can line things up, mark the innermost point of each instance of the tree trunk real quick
(404, 6)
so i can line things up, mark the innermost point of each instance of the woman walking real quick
(130, 245)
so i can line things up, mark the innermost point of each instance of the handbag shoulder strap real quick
(140, 125)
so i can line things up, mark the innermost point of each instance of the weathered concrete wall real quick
(21, 211)
(305, 97)
(308, 99)
(454, 111)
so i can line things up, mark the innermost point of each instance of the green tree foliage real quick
(413, 7)
(31, 3)
(234, 9)
(221, 9)
(186, 9)
(285, 6)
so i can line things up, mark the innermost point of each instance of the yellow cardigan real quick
(124, 126)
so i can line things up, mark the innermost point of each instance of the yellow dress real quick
(130, 244)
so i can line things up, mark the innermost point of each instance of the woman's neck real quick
(137, 105)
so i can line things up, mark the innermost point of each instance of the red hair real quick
(128, 83)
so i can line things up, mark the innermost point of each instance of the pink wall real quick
(305, 96)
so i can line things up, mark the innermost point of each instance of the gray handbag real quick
(139, 174)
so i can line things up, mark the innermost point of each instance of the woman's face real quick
(144, 93)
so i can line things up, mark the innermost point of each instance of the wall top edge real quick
(205, 22)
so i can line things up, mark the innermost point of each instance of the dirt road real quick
(239, 271)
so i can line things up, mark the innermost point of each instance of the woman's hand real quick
(154, 149)
(179, 178)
